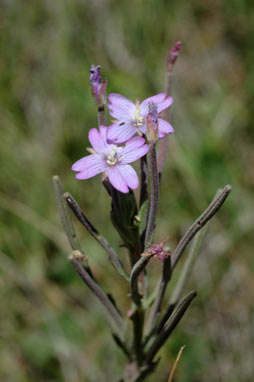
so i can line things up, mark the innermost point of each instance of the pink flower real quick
(131, 117)
(111, 160)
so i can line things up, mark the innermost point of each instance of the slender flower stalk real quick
(172, 57)
(152, 129)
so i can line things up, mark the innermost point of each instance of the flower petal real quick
(133, 150)
(157, 99)
(135, 142)
(165, 104)
(120, 132)
(130, 176)
(98, 138)
(164, 128)
(117, 179)
(121, 107)
(89, 166)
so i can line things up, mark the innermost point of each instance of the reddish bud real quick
(174, 53)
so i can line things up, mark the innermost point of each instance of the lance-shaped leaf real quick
(95, 234)
(211, 210)
(65, 214)
(170, 325)
(113, 314)
(161, 288)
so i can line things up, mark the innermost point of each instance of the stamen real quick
(111, 158)
(137, 118)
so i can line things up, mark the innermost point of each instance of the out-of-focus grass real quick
(51, 327)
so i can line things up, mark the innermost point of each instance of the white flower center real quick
(112, 157)
(137, 119)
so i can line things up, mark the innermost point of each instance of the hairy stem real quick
(136, 271)
(154, 196)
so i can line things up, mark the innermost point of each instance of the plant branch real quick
(170, 325)
(172, 57)
(188, 267)
(65, 214)
(161, 288)
(136, 271)
(211, 210)
(66, 220)
(113, 314)
(96, 235)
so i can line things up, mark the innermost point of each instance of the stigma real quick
(137, 119)
(112, 158)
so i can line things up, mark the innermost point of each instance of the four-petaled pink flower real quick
(131, 117)
(112, 160)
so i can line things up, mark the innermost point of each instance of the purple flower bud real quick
(174, 52)
(98, 87)
(152, 126)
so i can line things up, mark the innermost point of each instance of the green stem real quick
(154, 196)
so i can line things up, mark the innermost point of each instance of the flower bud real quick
(98, 87)
(174, 52)
(152, 126)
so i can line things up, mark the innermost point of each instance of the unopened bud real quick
(152, 127)
(174, 53)
(98, 87)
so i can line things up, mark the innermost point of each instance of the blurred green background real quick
(51, 327)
